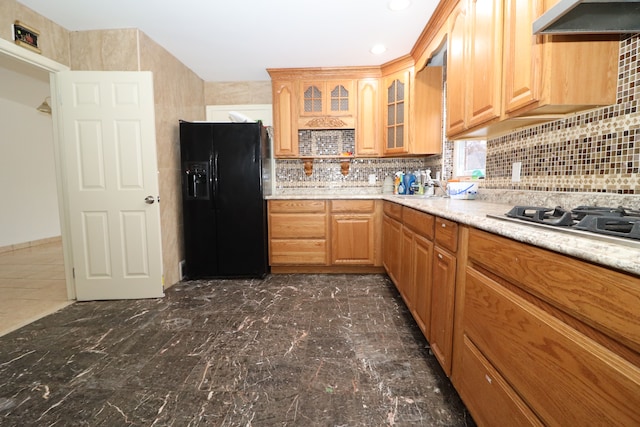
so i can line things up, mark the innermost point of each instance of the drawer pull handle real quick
(440, 256)
(488, 378)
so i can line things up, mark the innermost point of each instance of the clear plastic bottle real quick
(430, 191)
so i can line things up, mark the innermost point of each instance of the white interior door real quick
(107, 131)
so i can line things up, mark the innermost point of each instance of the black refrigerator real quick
(226, 174)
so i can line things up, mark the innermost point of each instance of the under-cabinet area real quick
(528, 336)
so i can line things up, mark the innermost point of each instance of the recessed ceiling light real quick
(396, 5)
(378, 49)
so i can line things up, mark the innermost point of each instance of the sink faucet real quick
(438, 184)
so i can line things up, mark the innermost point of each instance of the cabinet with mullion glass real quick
(397, 94)
(328, 98)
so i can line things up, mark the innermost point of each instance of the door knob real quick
(149, 200)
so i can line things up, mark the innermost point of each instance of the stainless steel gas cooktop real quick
(611, 224)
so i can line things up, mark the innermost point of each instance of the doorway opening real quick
(32, 270)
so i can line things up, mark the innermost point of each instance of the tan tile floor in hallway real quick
(32, 285)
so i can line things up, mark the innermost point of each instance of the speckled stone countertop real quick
(622, 254)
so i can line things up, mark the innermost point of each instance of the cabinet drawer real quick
(297, 226)
(293, 206)
(352, 205)
(490, 399)
(603, 298)
(420, 222)
(298, 252)
(564, 376)
(393, 210)
(447, 234)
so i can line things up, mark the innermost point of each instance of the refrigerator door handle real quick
(214, 177)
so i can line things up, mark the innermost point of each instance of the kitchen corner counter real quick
(623, 256)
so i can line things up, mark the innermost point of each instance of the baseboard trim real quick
(25, 245)
(315, 269)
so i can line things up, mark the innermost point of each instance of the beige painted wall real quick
(53, 40)
(104, 50)
(179, 94)
(223, 93)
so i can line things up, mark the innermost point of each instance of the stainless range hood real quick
(590, 17)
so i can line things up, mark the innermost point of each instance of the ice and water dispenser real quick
(197, 180)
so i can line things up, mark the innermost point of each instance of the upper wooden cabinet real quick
(368, 126)
(456, 59)
(285, 131)
(427, 111)
(396, 107)
(546, 74)
(327, 98)
(501, 77)
(319, 99)
(484, 71)
(474, 64)
(327, 104)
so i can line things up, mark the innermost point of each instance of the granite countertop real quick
(621, 254)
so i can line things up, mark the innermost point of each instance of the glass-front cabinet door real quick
(397, 98)
(327, 98)
(312, 102)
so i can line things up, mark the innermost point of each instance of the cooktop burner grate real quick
(619, 222)
(582, 211)
(550, 216)
(620, 226)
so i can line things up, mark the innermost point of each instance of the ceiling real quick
(237, 40)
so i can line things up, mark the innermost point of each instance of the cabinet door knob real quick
(444, 225)
(440, 256)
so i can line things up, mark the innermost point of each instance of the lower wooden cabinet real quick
(405, 283)
(354, 240)
(485, 389)
(544, 338)
(442, 303)
(528, 336)
(325, 234)
(422, 255)
(424, 272)
(392, 240)
(298, 232)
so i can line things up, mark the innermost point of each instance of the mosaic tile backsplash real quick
(327, 175)
(597, 151)
(326, 142)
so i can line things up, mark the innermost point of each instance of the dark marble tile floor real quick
(290, 350)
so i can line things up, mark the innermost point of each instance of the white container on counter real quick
(464, 190)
